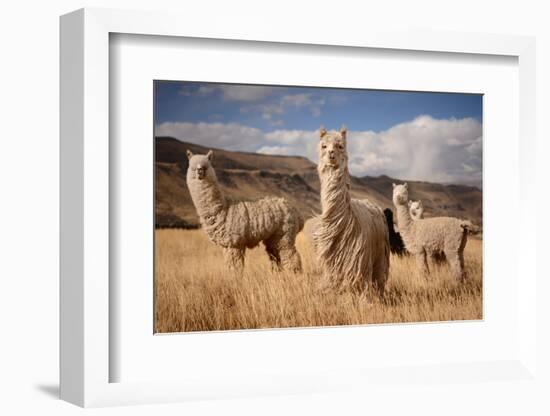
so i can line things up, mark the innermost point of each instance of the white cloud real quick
(230, 136)
(185, 91)
(308, 101)
(269, 111)
(421, 149)
(425, 149)
(275, 150)
(206, 90)
(245, 92)
(296, 100)
(316, 111)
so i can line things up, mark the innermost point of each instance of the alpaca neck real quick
(404, 220)
(208, 198)
(335, 193)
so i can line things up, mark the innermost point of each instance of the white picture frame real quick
(85, 355)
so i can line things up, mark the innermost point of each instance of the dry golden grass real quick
(194, 291)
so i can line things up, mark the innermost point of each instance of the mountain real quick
(249, 176)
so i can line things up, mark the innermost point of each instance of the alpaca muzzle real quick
(331, 161)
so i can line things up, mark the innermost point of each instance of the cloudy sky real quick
(407, 135)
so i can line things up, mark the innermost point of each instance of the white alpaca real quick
(416, 209)
(431, 237)
(236, 226)
(350, 236)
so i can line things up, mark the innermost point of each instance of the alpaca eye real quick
(340, 146)
(324, 146)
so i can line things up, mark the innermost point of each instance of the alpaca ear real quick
(322, 132)
(189, 154)
(410, 203)
(210, 155)
(393, 185)
(344, 131)
(406, 185)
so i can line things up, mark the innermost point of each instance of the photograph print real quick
(295, 207)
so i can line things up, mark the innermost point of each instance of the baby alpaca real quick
(350, 236)
(416, 209)
(236, 226)
(428, 237)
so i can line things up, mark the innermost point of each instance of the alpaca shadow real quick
(51, 390)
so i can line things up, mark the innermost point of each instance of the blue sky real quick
(414, 135)
(359, 109)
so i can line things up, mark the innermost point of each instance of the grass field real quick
(195, 292)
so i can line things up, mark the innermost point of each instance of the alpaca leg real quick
(439, 257)
(273, 254)
(430, 259)
(436, 258)
(456, 262)
(462, 269)
(380, 275)
(310, 227)
(291, 259)
(461, 254)
(455, 258)
(234, 258)
(422, 264)
(457, 265)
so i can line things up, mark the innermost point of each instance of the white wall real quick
(29, 199)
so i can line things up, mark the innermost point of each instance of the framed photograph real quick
(265, 220)
(281, 213)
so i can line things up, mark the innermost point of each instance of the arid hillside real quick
(250, 176)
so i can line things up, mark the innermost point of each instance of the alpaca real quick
(350, 236)
(396, 242)
(428, 238)
(236, 226)
(416, 209)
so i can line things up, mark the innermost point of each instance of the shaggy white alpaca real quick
(431, 237)
(350, 237)
(416, 209)
(236, 226)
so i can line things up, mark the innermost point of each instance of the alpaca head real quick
(332, 149)
(400, 194)
(200, 167)
(416, 209)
